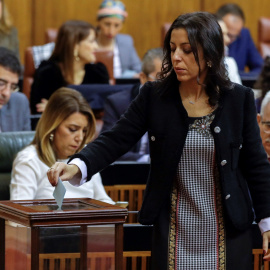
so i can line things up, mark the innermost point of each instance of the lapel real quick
(122, 49)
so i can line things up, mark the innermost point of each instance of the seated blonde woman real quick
(66, 125)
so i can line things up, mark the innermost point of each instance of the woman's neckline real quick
(196, 117)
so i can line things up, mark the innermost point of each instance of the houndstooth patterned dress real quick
(196, 235)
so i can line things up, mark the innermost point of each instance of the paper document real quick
(59, 193)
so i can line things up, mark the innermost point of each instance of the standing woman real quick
(111, 16)
(8, 33)
(206, 154)
(72, 62)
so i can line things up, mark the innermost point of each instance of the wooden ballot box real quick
(33, 216)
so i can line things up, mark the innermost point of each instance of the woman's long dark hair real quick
(70, 33)
(203, 31)
(263, 82)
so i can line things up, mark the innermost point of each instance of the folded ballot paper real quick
(59, 193)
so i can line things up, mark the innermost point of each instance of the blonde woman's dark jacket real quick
(239, 154)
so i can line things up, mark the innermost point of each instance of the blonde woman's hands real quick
(64, 171)
(266, 240)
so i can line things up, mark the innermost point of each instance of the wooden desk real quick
(75, 212)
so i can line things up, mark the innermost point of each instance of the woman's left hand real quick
(41, 106)
(266, 240)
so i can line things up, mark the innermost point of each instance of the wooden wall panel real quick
(147, 17)
(54, 13)
(144, 22)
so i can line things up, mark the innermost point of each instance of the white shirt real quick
(232, 69)
(30, 182)
(117, 69)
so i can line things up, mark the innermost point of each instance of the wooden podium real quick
(75, 212)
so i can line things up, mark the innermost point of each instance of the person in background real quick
(70, 63)
(209, 171)
(229, 61)
(263, 119)
(42, 52)
(64, 128)
(241, 46)
(8, 33)
(110, 16)
(263, 82)
(116, 104)
(14, 106)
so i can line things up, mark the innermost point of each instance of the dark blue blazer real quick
(245, 53)
(240, 156)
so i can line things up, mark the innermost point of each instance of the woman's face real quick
(224, 29)
(109, 27)
(69, 135)
(182, 57)
(87, 47)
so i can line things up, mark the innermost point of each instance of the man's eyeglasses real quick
(4, 84)
(266, 126)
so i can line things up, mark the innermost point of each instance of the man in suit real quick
(241, 47)
(264, 123)
(14, 106)
(117, 104)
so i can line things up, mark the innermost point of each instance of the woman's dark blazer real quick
(239, 154)
(48, 78)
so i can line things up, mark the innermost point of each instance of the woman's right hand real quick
(64, 171)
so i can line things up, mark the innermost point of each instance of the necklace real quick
(193, 102)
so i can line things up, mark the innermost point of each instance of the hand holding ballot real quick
(63, 170)
(59, 193)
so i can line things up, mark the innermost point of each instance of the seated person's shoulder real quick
(95, 67)
(18, 98)
(124, 38)
(42, 52)
(96, 73)
(13, 31)
(26, 155)
(245, 32)
(239, 92)
(48, 68)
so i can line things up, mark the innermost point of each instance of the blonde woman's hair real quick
(61, 105)
(5, 22)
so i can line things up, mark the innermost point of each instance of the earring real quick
(209, 64)
(51, 137)
(76, 55)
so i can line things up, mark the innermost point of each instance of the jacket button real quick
(240, 146)
(217, 129)
(153, 138)
(223, 162)
(227, 197)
